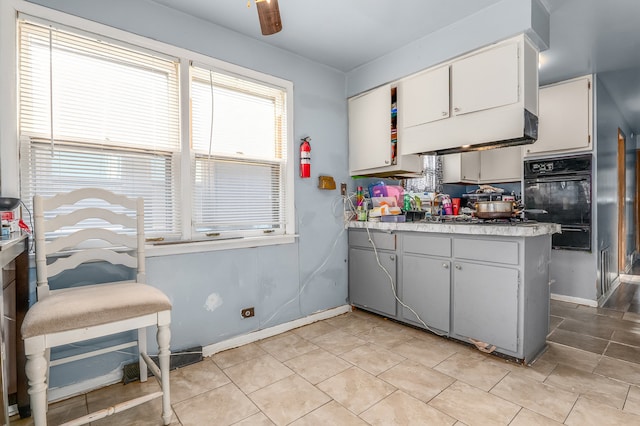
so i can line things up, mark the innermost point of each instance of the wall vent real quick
(605, 276)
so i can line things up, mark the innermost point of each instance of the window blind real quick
(239, 155)
(97, 114)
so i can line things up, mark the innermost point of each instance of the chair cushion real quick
(92, 305)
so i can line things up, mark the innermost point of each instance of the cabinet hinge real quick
(589, 139)
(589, 85)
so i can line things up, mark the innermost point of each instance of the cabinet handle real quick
(456, 109)
(458, 267)
(445, 265)
(386, 161)
(392, 257)
(444, 113)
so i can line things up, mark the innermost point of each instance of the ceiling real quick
(587, 36)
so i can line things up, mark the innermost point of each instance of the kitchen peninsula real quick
(485, 284)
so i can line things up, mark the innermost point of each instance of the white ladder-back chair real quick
(70, 315)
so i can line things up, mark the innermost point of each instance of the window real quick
(95, 112)
(239, 147)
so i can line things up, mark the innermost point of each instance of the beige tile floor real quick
(361, 369)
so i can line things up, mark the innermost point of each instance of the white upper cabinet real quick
(477, 99)
(424, 98)
(374, 136)
(370, 129)
(491, 166)
(501, 165)
(463, 167)
(486, 80)
(565, 117)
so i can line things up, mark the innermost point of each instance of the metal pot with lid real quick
(494, 209)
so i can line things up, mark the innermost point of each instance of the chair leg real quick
(164, 336)
(142, 349)
(36, 370)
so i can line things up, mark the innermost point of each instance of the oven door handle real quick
(575, 228)
(553, 179)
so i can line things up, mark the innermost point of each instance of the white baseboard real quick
(234, 342)
(64, 392)
(635, 279)
(577, 300)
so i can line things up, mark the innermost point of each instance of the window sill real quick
(205, 246)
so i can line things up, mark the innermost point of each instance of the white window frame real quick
(9, 151)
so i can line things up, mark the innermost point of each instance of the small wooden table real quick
(14, 254)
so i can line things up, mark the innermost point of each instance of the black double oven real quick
(562, 187)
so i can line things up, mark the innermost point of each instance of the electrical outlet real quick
(343, 189)
(247, 312)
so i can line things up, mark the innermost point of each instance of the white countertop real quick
(523, 229)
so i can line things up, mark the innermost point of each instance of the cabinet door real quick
(426, 288)
(369, 285)
(462, 167)
(424, 98)
(370, 129)
(486, 80)
(564, 116)
(501, 165)
(485, 304)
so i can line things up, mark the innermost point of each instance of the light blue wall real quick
(608, 120)
(283, 282)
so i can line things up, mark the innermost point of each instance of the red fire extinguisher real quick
(305, 158)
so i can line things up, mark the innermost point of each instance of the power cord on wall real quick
(306, 282)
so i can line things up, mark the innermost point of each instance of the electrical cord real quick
(393, 287)
(313, 274)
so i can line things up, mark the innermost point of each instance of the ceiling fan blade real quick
(269, 16)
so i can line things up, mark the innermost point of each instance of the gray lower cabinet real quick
(492, 289)
(485, 304)
(369, 285)
(426, 290)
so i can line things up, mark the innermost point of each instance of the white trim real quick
(79, 388)
(614, 285)
(234, 342)
(630, 278)
(571, 299)
(171, 249)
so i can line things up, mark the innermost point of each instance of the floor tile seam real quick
(573, 406)
(478, 389)
(614, 378)
(592, 388)
(535, 410)
(377, 401)
(312, 411)
(280, 380)
(205, 391)
(581, 350)
(531, 408)
(240, 362)
(624, 344)
(586, 333)
(584, 350)
(626, 398)
(426, 403)
(241, 390)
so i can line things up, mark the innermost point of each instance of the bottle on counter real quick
(359, 197)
